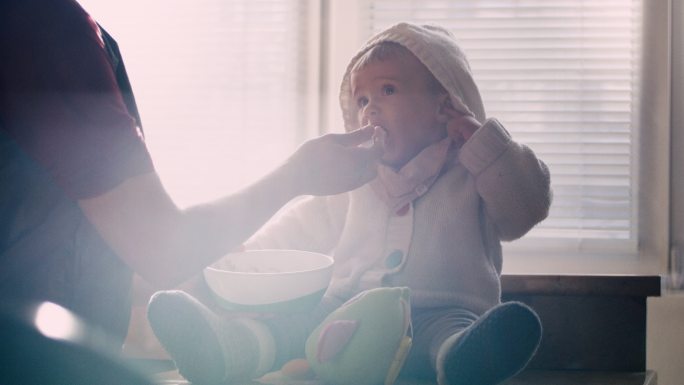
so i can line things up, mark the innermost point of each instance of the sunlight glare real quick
(56, 322)
(217, 113)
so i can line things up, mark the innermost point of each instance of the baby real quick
(450, 187)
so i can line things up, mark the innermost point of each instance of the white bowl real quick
(270, 280)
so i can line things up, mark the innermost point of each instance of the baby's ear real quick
(446, 109)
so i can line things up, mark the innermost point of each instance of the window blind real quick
(220, 84)
(562, 76)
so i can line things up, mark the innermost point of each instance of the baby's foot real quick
(205, 349)
(496, 347)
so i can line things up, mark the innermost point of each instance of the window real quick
(561, 77)
(222, 85)
(565, 78)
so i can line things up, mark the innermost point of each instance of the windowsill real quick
(671, 293)
(580, 264)
(619, 285)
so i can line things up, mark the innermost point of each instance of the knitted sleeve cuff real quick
(486, 145)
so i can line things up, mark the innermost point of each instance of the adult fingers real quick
(372, 150)
(378, 142)
(353, 138)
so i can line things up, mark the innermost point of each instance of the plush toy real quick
(365, 341)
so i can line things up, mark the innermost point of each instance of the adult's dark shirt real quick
(69, 130)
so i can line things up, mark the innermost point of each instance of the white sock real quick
(266, 342)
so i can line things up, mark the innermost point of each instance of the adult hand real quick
(335, 163)
(167, 245)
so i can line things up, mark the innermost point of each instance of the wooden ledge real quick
(582, 285)
(534, 377)
(590, 322)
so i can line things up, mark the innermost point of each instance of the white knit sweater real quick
(446, 247)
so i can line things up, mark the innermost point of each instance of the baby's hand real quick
(461, 126)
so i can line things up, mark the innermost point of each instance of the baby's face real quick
(394, 94)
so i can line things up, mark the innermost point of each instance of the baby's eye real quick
(361, 102)
(388, 89)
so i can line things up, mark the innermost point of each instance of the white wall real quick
(665, 329)
(677, 179)
(665, 338)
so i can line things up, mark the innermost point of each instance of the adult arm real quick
(61, 102)
(167, 245)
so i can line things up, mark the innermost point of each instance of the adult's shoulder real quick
(38, 16)
(60, 99)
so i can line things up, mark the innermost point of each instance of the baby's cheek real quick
(360, 120)
(392, 155)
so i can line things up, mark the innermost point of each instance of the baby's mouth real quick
(380, 136)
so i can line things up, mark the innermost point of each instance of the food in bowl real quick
(270, 280)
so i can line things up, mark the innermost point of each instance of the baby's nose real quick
(370, 110)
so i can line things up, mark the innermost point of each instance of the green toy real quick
(365, 341)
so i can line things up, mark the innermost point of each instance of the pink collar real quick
(398, 188)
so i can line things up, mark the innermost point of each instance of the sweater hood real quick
(436, 48)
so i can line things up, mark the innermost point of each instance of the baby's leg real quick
(291, 331)
(495, 347)
(212, 349)
(431, 327)
(206, 348)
